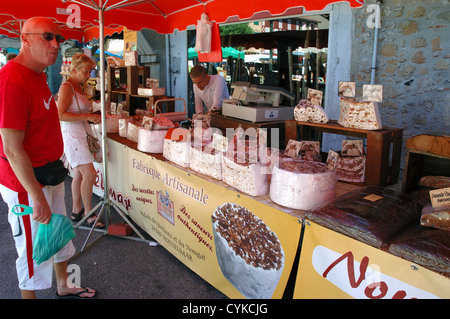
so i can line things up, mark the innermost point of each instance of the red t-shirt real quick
(27, 104)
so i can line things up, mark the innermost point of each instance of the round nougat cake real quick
(301, 184)
(249, 254)
(150, 141)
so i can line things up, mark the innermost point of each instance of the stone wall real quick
(413, 63)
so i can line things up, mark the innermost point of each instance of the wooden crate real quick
(425, 155)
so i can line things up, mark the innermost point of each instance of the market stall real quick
(350, 255)
(200, 191)
(201, 194)
(238, 212)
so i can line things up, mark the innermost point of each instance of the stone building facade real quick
(413, 63)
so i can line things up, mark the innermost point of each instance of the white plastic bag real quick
(203, 35)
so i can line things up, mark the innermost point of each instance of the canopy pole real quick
(106, 204)
(103, 102)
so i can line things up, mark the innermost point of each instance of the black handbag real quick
(52, 173)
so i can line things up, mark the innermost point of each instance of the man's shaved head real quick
(37, 53)
(39, 25)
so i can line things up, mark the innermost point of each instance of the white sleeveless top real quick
(85, 105)
(74, 133)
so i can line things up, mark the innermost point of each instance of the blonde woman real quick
(74, 113)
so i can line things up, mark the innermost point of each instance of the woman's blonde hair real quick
(79, 60)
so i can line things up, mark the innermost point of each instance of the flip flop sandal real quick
(77, 295)
(77, 217)
(99, 225)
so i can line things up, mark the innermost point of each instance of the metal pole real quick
(103, 108)
(375, 42)
(106, 201)
(291, 72)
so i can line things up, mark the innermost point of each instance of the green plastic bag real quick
(51, 237)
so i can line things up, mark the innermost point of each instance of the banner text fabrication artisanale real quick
(172, 182)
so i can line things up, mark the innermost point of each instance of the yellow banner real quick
(335, 266)
(241, 246)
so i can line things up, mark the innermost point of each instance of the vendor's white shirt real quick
(212, 95)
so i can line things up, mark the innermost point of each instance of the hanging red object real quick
(215, 55)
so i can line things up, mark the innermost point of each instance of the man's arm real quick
(21, 164)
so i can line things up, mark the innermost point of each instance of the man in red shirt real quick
(31, 137)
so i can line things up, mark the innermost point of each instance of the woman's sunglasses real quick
(47, 36)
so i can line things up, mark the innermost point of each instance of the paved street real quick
(118, 268)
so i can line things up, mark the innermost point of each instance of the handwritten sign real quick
(440, 197)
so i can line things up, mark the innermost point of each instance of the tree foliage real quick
(242, 28)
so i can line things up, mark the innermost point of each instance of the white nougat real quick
(206, 160)
(301, 184)
(308, 112)
(363, 115)
(151, 141)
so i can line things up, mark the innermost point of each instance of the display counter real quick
(341, 188)
(200, 220)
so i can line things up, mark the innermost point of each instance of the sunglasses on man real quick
(47, 36)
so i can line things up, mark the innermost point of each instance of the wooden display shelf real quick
(224, 122)
(133, 76)
(89, 86)
(134, 101)
(383, 153)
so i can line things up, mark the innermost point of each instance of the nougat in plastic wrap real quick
(427, 247)
(436, 217)
(373, 215)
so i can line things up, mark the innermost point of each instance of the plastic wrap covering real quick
(421, 195)
(435, 181)
(150, 141)
(424, 246)
(301, 184)
(242, 169)
(372, 215)
(436, 217)
(205, 159)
